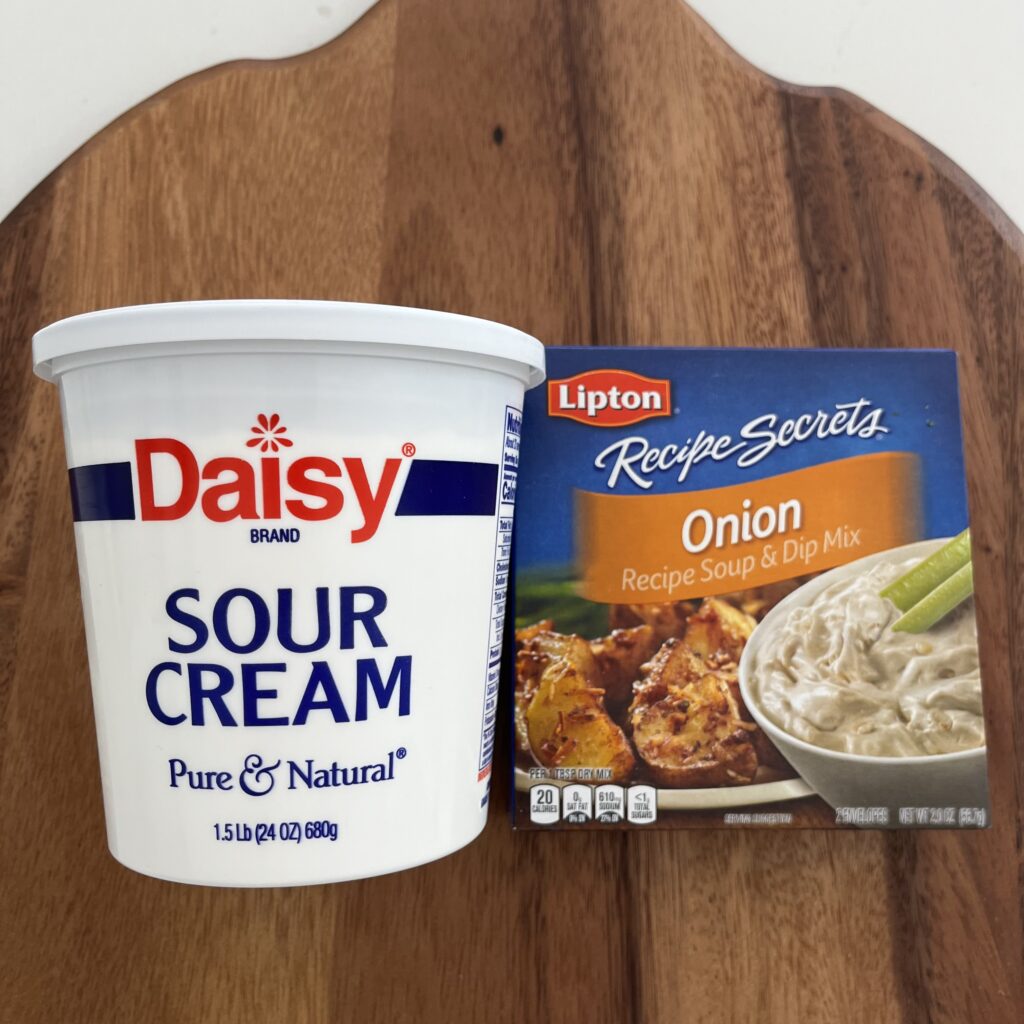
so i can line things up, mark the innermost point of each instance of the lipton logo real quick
(609, 398)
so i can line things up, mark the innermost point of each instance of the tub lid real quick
(282, 320)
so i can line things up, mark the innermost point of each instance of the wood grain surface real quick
(591, 171)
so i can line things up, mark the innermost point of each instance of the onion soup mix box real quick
(743, 593)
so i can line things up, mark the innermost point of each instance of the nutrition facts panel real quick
(507, 476)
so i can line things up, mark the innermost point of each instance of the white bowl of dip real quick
(901, 748)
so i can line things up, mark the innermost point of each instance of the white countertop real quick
(951, 70)
(70, 67)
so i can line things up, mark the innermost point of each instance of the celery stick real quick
(939, 603)
(914, 586)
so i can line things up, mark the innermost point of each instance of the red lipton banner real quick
(609, 398)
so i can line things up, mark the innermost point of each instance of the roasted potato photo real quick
(563, 713)
(654, 699)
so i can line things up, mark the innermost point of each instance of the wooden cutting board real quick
(591, 172)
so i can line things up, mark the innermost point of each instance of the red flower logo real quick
(269, 434)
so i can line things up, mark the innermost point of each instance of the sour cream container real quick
(293, 524)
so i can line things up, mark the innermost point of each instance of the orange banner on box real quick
(669, 547)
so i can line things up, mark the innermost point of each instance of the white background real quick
(951, 70)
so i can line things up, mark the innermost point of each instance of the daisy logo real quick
(273, 478)
(271, 482)
(269, 434)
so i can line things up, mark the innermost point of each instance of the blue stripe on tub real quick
(437, 488)
(102, 492)
(433, 487)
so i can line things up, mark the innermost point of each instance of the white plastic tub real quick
(292, 522)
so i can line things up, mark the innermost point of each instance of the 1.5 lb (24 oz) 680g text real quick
(280, 831)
